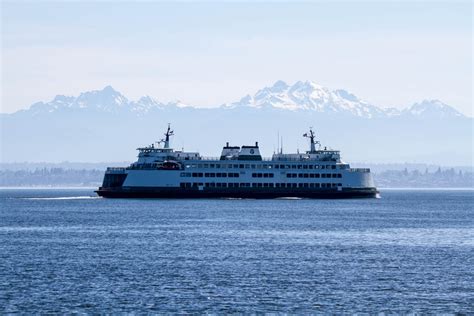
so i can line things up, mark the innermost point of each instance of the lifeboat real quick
(169, 165)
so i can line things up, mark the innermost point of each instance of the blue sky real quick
(208, 53)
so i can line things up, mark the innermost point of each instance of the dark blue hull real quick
(248, 193)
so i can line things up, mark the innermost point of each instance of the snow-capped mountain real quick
(431, 108)
(301, 96)
(145, 104)
(105, 100)
(309, 96)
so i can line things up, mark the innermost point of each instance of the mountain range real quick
(104, 125)
(301, 96)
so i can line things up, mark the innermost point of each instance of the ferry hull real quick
(179, 193)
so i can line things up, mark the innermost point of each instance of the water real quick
(67, 251)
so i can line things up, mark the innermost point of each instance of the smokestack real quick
(256, 144)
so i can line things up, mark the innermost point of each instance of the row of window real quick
(210, 174)
(258, 175)
(262, 175)
(264, 166)
(258, 185)
(314, 175)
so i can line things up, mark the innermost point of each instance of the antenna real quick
(159, 142)
(278, 141)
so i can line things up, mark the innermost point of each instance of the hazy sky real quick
(391, 54)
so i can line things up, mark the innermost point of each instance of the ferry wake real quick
(239, 172)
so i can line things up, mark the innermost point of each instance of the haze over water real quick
(67, 251)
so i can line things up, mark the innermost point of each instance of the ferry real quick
(239, 172)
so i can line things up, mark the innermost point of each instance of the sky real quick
(391, 54)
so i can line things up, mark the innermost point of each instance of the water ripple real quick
(409, 252)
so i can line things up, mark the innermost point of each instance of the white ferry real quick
(240, 172)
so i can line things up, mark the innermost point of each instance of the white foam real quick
(63, 198)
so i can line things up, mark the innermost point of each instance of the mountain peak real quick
(432, 108)
(433, 103)
(279, 85)
(346, 95)
(146, 99)
(246, 100)
(104, 92)
(107, 99)
(307, 86)
(308, 95)
(62, 99)
(109, 89)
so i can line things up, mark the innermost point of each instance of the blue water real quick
(67, 251)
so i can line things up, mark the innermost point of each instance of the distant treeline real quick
(441, 178)
(51, 177)
(447, 178)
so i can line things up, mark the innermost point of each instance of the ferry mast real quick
(168, 133)
(311, 136)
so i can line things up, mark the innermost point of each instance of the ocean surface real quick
(64, 250)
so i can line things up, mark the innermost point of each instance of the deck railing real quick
(115, 169)
(266, 159)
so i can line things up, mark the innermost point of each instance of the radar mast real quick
(311, 136)
(168, 133)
